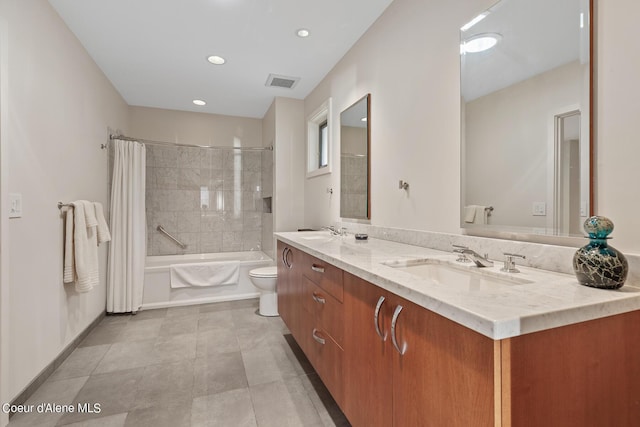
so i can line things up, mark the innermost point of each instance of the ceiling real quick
(155, 51)
(537, 36)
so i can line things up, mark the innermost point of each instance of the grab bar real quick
(166, 233)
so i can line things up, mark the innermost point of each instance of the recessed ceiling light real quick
(216, 60)
(479, 43)
(302, 32)
(199, 102)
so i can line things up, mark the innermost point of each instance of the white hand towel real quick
(205, 274)
(103, 229)
(69, 275)
(86, 246)
(482, 215)
(469, 214)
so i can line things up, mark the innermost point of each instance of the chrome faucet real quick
(479, 260)
(335, 231)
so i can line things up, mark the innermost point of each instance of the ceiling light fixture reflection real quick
(199, 102)
(474, 21)
(216, 60)
(479, 43)
(303, 32)
(364, 119)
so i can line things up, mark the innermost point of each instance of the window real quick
(323, 145)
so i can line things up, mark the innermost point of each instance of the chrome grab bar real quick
(166, 233)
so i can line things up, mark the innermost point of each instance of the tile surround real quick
(210, 199)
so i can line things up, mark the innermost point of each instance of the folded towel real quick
(103, 229)
(476, 214)
(205, 274)
(69, 254)
(85, 245)
(469, 213)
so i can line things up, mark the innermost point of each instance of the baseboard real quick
(26, 393)
(196, 301)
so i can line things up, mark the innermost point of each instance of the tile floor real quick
(208, 365)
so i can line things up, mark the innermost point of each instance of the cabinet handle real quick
(317, 269)
(317, 338)
(376, 322)
(285, 257)
(394, 320)
(318, 298)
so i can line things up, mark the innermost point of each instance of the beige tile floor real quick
(208, 365)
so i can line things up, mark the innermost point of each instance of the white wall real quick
(59, 108)
(289, 163)
(408, 60)
(514, 124)
(195, 128)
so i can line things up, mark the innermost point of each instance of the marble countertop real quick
(525, 302)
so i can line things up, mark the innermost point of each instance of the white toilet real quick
(265, 279)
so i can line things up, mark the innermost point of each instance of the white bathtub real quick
(157, 287)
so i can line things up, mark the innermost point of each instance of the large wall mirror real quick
(526, 117)
(355, 148)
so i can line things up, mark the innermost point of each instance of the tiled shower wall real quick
(210, 199)
(267, 194)
(353, 187)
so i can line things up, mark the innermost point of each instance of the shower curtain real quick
(127, 250)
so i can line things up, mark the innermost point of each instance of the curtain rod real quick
(152, 142)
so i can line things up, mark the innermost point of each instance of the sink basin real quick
(321, 236)
(450, 274)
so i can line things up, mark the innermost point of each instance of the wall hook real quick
(403, 185)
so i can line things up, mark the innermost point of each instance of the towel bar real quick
(62, 205)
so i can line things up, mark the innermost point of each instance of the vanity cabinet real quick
(310, 293)
(288, 287)
(407, 366)
(389, 362)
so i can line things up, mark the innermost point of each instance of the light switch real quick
(539, 209)
(15, 205)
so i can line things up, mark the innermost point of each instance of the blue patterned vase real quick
(597, 264)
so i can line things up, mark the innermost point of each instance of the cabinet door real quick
(287, 287)
(368, 358)
(444, 376)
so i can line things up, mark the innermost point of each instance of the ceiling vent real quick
(282, 81)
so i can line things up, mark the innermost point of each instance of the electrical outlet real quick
(539, 209)
(15, 205)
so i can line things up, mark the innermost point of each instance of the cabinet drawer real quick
(326, 356)
(327, 311)
(325, 275)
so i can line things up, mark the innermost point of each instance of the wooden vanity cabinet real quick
(288, 286)
(444, 376)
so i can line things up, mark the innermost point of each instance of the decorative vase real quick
(597, 264)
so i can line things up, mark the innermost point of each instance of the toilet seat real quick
(266, 272)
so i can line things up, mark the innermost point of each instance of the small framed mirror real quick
(319, 140)
(355, 160)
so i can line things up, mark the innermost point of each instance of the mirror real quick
(355, 165)
(526, 117)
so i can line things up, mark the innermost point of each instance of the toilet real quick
(265, 279)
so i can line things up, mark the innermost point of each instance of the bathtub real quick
(157, 287)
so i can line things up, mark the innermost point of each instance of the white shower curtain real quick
(127, 250)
